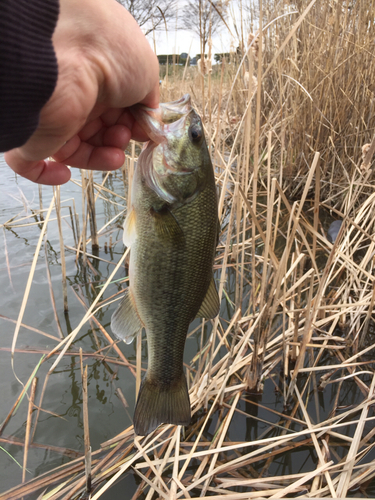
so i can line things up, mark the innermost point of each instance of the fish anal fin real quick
(211, 304)
(130, 232)
(159, 403)
(125, 322)
(167, 227)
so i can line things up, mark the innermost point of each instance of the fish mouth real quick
(167, 127)
(173, 111)
(166, 119)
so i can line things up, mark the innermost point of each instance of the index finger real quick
(43, 171)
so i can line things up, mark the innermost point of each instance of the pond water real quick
(60, 425)
(57, 436)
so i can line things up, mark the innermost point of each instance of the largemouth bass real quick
(172, 232)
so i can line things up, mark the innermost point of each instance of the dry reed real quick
(287, 154)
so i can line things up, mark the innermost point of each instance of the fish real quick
(172, 231)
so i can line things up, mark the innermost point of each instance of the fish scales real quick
(171, 259)
(180, 279)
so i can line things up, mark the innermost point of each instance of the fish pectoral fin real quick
(211, 304)
(130, 232)
(167, 227)
(160, 403)
(125, 322)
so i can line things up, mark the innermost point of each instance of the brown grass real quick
(286, 151)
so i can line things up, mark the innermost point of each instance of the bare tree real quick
(197, 15)
(150, 14)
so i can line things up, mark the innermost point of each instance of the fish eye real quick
(195, 133)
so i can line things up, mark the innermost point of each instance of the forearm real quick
(28, 66)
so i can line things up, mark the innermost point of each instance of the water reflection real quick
(60, 421)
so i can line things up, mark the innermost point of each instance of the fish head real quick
(177, 156)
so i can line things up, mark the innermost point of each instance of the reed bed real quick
(292, 148)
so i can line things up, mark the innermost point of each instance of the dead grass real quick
(285, 152)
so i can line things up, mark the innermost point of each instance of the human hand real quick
(105, 65)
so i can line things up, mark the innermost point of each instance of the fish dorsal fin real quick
(211, 305)
(167, 227)
(125, 322)
(130, 231)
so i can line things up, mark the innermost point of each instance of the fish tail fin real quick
(161, 404)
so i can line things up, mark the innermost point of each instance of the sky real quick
(186, 41)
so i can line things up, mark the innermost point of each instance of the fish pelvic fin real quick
(130, 232)
(211, 304)
(125, 322)
(161, 404)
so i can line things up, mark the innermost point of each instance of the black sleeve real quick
(28, 66)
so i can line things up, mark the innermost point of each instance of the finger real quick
(68, 149)
(117, 136)
(137, 132)
(153, 98)
(99, 132)
(90, 129)
(93, 158)
(125, 118)
(103, 115)
(42, 172)
(99, 124)
(112, 115)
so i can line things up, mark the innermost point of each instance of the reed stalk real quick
(86, 426)
(62, 250)
(28, 426)
(292, 150)
(91, 210)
